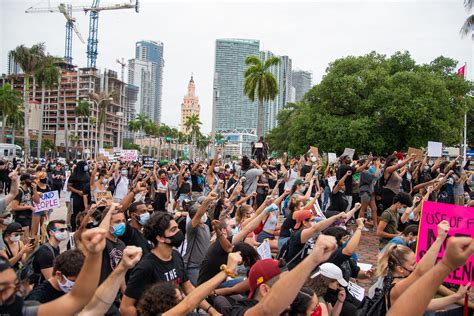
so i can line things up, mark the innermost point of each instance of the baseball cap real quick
(331, 271)
(262, 271)
(302, 215)
(13, 227)
(299, 181)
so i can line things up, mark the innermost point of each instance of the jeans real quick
(327, 197)
(281, 241)
(192, 271)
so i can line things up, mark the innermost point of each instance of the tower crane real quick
(92, 41)
(122, 64)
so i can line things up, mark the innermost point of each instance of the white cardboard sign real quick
(48, 201)
(435, 149)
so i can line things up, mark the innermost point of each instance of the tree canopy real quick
(378, 104)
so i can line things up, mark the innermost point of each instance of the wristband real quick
(207, 310)
(228, 271)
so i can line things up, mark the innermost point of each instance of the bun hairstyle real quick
(392, 256)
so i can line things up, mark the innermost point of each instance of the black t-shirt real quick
(60, 172)
(240, 308)
(337, 202)
(295, 246)
(24, 197)
(341, 171)
(288, 226)
(132, 237)
(348, 266)
(305, 170)
(111, 257)
(151, 270)
(197, 181)
(211, 265)
(44, 293)
(44, 258)
(78, 182)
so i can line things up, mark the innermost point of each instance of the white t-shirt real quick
(293, 176)
(121, 190)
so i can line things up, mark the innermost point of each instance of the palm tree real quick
(150, 129)
(260, 83)
(47, 75)
(10, 102)
(143, 120)
(83, 110)
(102, 101)
(15, 121)
(29, 58)
(193, 124)
(469, 23)
(48, 145)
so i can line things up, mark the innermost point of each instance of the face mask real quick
(90, 225)
(186, 178)
(143, 218)
(15, 238)
(216, 169)
(235, 230)
(8, 220)
(313, 159)
(411, 216)
(176, 240)
(228, 169)
(382, 165)
(86, 168)
(118, 230)
(408, 176)
(402, 210)
(96, 178)
(426, 168)
(331, 295)
(67, 286)
(124, 172)
(53, 166)
(204, 218)
(43, 180)
(303, 188)
(241, 269)
(105, 181)
(61, 235)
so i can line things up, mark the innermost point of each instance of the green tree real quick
(377, 104)
(469, 22)
(15, 121)
(10, 103)
(47, 75)
(193, 124)
(29, 59)
(260, 84)
(150, 129)
(83, 111)
(47, 145)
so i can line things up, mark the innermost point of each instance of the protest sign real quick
(332, 157)
(148, 162)
(435, 149)
(264, 250)
(129, 155)
(349, 152)
(48, 201)
(356, 291)
(314, 151)
(419, 154)
(106, 195)
(461, 221)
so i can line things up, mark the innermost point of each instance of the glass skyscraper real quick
(146, 72)
(233, 112)
(301, 80)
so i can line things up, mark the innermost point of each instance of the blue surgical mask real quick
(86, 168)
(118, 230)
(144, 218)
(104, 181)
(402, 210)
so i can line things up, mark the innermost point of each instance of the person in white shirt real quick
(121, 183)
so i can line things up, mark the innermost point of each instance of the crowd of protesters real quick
(249, 237)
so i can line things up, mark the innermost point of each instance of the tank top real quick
(271, 223)
(393, 182)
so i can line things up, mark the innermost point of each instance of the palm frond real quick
(468, 4)
(272, 61)
(467, 26)
(253, 60)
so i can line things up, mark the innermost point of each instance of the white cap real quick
(331, 271)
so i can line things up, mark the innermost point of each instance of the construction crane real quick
(122, 64)
(92, 41)
(66, 10)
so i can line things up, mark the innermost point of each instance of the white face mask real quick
(15, 238)
(8, 220)
(61, 235)
(313, 159)
(67, 286)
(216, 169)
(124, 172)
(204, 218)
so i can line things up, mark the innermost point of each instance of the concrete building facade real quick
(190, 105)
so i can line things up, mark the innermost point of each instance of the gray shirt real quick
(198, 241)
(251, 179)
(367, 182)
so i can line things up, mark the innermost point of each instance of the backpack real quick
(379, 304)
(113, 185)
(27, 271)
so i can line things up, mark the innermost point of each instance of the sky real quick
(311, 33)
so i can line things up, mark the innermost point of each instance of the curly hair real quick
(302, 301)
(158, 299)
(69, 263)
(156, 226)
(319, 284)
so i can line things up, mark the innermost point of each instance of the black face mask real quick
(43, 180)
(176, 240)
(331, 296)
(90, 225)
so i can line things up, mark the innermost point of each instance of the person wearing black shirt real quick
(197, 179)
(76, 184)
(22, 206)
(163, 263)
(43, 261)
(344, 167)
(338, 201)
(133, 235)
(58, 177)
(66, 269)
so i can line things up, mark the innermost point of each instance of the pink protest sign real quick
(461, 222)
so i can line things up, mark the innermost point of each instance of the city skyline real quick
(312, 34)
